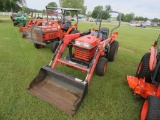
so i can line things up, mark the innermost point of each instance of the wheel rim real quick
(144, 110)
(40, 46)
(139, 68)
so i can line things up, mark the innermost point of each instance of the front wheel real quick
(101, 66)
(143, 70)
(38, 46)
(54, 46)
(151, 109)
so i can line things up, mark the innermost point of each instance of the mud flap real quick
(59, 89)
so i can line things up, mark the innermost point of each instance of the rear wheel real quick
(38, 46)
(143, 68)
(101, 66)
(113, 51)
(15, 23)
(23, 35)
(54, 46)
(151, 109)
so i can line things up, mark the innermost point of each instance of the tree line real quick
(124, 17)
(17, 5)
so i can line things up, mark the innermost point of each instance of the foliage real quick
(89, 14)
(74, 4)
(156, 20)
(140, 18)
(11, 5)
(107, 15)
(97, 9)
(129, 17)
(52, 4)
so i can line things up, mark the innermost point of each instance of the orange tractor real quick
(53, 31)
(32, 22)
(89, 52)
(146, 83)
(36, 21)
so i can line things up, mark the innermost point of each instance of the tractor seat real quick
(66, 26)
(105, 33)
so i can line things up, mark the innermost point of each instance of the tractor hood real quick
(88, 41)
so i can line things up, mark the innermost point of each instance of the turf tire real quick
(113, 51)
(153, 112)
(101, 66)
(54, 46)
(38, 46)
(143, 68)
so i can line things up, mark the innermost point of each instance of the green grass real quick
(4, 16)
(109, 97)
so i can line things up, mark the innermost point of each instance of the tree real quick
(74, 4)
(96, 11)
(11, 5)
(83, 11)
(140, 18)
(155, 20)
(52, 4)
(100, 8)
(89, 14)
(123, 17)
(107, 15)
(129, 17)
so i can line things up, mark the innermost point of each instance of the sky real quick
(144, 8)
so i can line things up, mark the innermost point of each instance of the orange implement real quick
(141, 87)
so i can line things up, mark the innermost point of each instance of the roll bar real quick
(63, 10)
(106, 11)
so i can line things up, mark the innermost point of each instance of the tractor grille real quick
(36, 34)
(84, 54)
(50, 36)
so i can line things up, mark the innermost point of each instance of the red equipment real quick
(91, 51)
(32, 22)
(146, 83)
(53, 31)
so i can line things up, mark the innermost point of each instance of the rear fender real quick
(113, 36)
(69, 30)
(153, 60)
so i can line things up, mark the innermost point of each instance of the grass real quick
(109, 97)
(4, 16)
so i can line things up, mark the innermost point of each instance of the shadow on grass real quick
(4, 20)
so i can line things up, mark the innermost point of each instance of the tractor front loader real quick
(89, 52)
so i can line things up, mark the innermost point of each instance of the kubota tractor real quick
(88, 52)
(20, 19)
(146, 83)
(53, 31)
(34, 21)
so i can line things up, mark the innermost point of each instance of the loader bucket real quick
(59, 89)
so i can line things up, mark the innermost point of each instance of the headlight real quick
(83, 44)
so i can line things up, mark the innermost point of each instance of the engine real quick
(85, 47)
